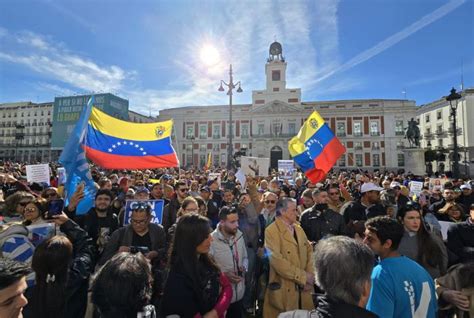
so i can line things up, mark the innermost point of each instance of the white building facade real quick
(372, 130)
(25, 132)
(436, 126)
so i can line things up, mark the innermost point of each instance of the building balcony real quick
(428, 136)
(341, 134)
(439, 147)
(399, 133)
(400, 147)
(375, 133)
(458, 131)
(357, 147)
(358, 134)
(216, 136)
(375, 147)
(441, 133)
(274, 136)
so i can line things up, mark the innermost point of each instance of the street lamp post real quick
(231, 85)
(453, 103)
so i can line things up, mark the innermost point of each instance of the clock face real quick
(274, 51)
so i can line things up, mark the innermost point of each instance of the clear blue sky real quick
(162, 54)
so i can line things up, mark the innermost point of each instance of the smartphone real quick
(55, 207)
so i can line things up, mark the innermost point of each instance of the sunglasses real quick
(184, 190)
(270, 201)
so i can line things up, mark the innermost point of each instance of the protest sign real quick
(416, 187)
(61, 175)
(38, 173)
(437, 183)
(254, 166)
(286, 170)
(241, 177)
(156, 210)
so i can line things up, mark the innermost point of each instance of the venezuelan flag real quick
(315, 149)
(116, 144)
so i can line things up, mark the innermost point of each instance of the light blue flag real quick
(73, 158)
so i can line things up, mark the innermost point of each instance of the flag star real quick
(141, 149)
(110, 149)
(124, 142)
(136, 146)
(113, 146)
(144, 153)
(119, 143)
(131, 143)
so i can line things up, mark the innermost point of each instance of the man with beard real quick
(319, 221)
(230, 253)
(100, 222)
(228, 199)
(170, 210)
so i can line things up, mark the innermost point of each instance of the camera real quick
(139, 249)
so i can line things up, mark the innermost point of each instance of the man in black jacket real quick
(100, 222)
(319, 221)
(171, 209)
(461, 240)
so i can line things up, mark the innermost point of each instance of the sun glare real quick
(209, 55)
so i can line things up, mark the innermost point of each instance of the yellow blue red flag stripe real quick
(315, 149)
(116, 144)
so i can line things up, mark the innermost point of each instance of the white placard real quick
(240, 175)
(416, 187)
(286, 170)
(38, 173)
(254, 166)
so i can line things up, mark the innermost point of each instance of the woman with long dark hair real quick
(62, 265)
(195, 286)
(419, 244)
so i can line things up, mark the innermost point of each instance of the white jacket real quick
(230, 255)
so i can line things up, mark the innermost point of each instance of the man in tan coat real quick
(291, 267)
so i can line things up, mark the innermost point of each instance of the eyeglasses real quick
(183, 190)
(270, 201)
(30, 210)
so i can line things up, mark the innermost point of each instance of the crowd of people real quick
(356, 244)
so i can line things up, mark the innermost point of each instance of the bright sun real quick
(209, 55)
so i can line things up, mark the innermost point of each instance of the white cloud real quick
(55, 89)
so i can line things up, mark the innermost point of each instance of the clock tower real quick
(275, 70)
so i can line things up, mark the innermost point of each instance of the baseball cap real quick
(206, 189)
(211, 182)
(142, 190)
(394, 184)
(366, 187)
(466, 186)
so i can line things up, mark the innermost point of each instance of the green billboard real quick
(68, 109)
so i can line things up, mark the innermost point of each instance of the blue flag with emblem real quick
(73, 158)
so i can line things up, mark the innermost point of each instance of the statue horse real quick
(413, 136)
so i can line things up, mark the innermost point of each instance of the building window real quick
(399, 131)
(292, 129)
(358, 159)
(215, 160)
(202, 147)
(202, 160)
(341, 129)
(203, 132)
(427, 118)
(358, 145)
(275, 75)
(223, 159)
(375, 145)
(189, 159)
(189, 131)
(374, 128)
(261, 129)
(215, 147)
(342, 161)
(216, 131)
(439, 114)
(276, 89)
(401, 159)
(357, 129)
(244, 131)
(376, 160)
